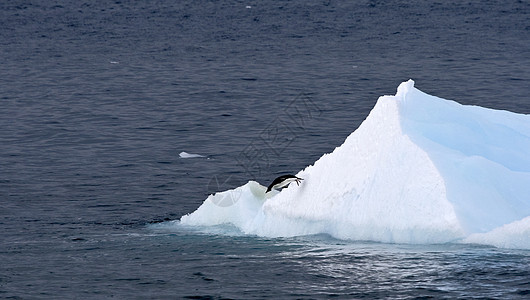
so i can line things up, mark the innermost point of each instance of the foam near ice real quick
(419, 169)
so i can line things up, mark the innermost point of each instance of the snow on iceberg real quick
(419, 169)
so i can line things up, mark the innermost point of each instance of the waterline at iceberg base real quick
(419, 169)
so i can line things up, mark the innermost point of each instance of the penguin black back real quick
(282, 182)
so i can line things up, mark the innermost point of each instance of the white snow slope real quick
(419, 169)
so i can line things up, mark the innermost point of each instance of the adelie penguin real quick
(283, 182)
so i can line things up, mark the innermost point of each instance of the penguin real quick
(283, 182)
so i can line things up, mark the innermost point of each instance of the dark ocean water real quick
(98, 98)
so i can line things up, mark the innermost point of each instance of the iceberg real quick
(419, 169)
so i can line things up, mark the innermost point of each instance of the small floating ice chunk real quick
(189, 155)
(114, 62)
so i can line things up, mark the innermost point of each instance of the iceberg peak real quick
(404, 88)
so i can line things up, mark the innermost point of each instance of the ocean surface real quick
(98, 99)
